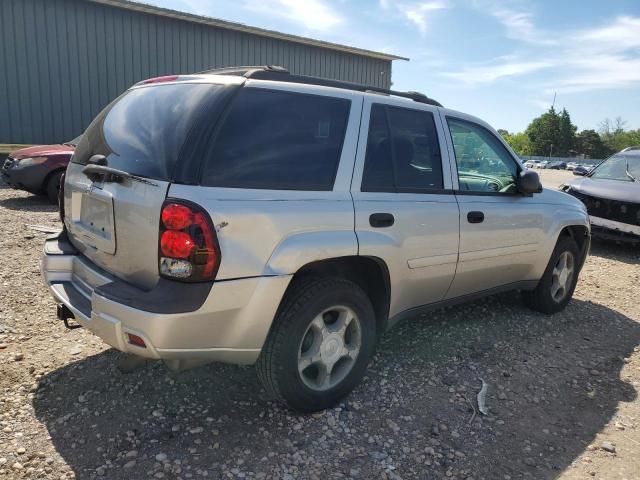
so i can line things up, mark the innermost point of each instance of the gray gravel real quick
(562, 392)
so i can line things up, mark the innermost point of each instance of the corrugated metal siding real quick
(62, 61)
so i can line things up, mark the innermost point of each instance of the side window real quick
(484, 164)
(278, 140)
(403, 153)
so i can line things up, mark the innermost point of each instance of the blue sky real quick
(501, 60)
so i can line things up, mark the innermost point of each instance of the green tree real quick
(544, 133)
(589, 143)
(566, 135)
(519, 142)
(615, 136)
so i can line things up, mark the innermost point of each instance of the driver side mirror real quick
(528, 182)
(580, 171)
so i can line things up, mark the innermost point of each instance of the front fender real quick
(561, 218)
(300, 249)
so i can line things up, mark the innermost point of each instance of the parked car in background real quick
(556, 165)
(197, 234)
(572, 165)
(543, 164)
(580, 170)
(531, 163)
(38, 169)
(611, 193)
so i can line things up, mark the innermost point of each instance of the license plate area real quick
(93, 219)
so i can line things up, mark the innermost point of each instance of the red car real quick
(38, 169)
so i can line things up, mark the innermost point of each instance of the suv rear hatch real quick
(119, 176)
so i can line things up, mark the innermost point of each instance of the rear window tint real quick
(403, 153)
(279, 141)
(144, 130)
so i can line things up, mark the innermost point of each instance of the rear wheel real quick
(556, 286)
(52, 187)
(320, 344)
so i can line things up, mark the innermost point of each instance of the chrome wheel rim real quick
(329, 348)
(562, 276)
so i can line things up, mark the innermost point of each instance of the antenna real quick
(554, 100)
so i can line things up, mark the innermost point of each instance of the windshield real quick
(143, 131)
(619, 167)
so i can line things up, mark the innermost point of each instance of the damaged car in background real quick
(611, 193)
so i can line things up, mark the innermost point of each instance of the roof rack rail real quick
(244, 71)
(274, 72)
(632, 148)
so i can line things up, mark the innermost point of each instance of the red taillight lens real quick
(164, 78)
(212, 257)
(188, 249)
(176, 216)
(136, 340)
(176, 244)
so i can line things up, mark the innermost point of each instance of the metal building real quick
(62, 61)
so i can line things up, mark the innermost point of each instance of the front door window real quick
(484, 164)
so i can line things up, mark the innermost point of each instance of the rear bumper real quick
(229, 323)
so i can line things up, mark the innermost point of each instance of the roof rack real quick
(632, 148)
(274, 72)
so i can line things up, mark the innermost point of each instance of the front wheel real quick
(320, 344)
(558, 282)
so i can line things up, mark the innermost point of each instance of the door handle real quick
(475, 217)
(381, 220)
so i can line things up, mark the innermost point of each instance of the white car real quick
(531, 163)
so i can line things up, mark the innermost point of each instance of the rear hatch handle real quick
(109, 174)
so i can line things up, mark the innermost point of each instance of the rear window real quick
(279, 141)
(144, 131)
(403, 153)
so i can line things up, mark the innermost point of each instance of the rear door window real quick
(278, 140)
(144, 131)
(403, 153)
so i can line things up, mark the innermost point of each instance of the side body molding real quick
(300, 249)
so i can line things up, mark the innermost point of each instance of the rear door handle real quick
(475, 217)
(381, 220)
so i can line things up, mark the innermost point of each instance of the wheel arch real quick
(369, 273)
(48, 176)
(579, 234)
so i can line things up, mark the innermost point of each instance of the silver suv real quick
(254, 216)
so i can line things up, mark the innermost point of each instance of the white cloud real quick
(420, 13)
(603, 57)
(416, 13)
(622, 34)
(479, 74)
(520, 26)
(312, 14)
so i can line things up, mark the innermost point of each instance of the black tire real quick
(541, 298)
(277, 365)
(52, 187)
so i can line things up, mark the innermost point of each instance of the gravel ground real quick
(562, 391)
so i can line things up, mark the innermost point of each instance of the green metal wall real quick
(62, 61)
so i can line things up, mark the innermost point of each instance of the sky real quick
(501, 60)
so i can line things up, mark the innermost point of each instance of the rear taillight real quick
(188, 248)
